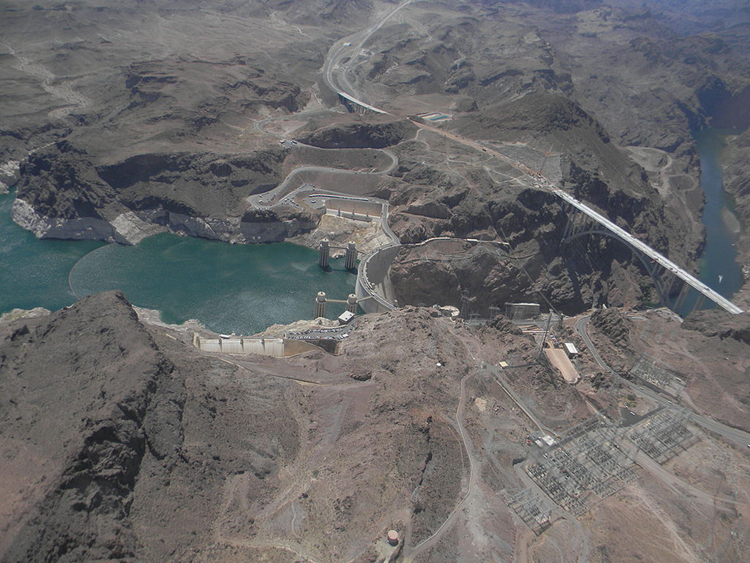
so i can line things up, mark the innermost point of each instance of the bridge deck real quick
(360, 103)
(650, 252)
(691, 280)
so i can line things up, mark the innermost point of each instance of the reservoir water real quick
(245, 288)
(230, 288)
(33, 272)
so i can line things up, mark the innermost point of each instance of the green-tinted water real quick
(33, 272)
(230, 288)
(720, 256)
(719, 268)
(243, 289)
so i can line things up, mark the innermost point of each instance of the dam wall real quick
(374, 289)
(242, 346)
(347, 207)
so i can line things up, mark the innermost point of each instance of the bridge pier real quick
(324, 253)
(577, 222)
(674, 285)
(662, 287)
(698, 302)
(680, 301)
(583, 220)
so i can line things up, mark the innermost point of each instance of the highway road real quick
(276, 196)
(346, 45)
(739, 437)
(431, 541)
(352, 46)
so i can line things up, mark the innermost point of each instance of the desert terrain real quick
(444, 125)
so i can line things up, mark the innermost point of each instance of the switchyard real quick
(663, 435)
(532, 509)
(647, 370)
(596, 460)
(587, 464)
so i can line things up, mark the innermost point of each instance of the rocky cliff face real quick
(115, 401)
(64, 194)
(150, 125)
(173, 140)
(736, 160)
(614, 325)
(435, 201)
(375, 133)
(717, 323)
(120, 442)
(626, 72)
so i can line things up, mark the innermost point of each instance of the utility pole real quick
(464, 313)
(544, 337)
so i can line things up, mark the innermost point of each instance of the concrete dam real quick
(374, 289)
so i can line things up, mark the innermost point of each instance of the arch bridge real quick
(667, 276)
(357, 106)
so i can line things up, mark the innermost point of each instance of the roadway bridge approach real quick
(357, 106)
(663, 271)
(583, 220)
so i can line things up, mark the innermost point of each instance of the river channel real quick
(718, 266)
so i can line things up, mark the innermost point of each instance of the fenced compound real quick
(589, 462)
(532, 509)
(646, 369)
(664, 435)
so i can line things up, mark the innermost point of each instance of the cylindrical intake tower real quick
(320, 305)
(350, 259)
(324, 253)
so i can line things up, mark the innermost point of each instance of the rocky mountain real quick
(121, 442)
(183, 128)
(736, 157)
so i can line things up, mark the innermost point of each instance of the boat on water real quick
(720, 278)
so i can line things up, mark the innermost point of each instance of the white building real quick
(570, 349)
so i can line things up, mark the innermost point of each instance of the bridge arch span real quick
(664, 281)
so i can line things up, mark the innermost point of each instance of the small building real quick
(570, 349)
(346, 317)
(540, 439)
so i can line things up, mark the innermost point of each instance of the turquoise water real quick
(720, 256)
(230, 288)
(33, 272)
(245, 288)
